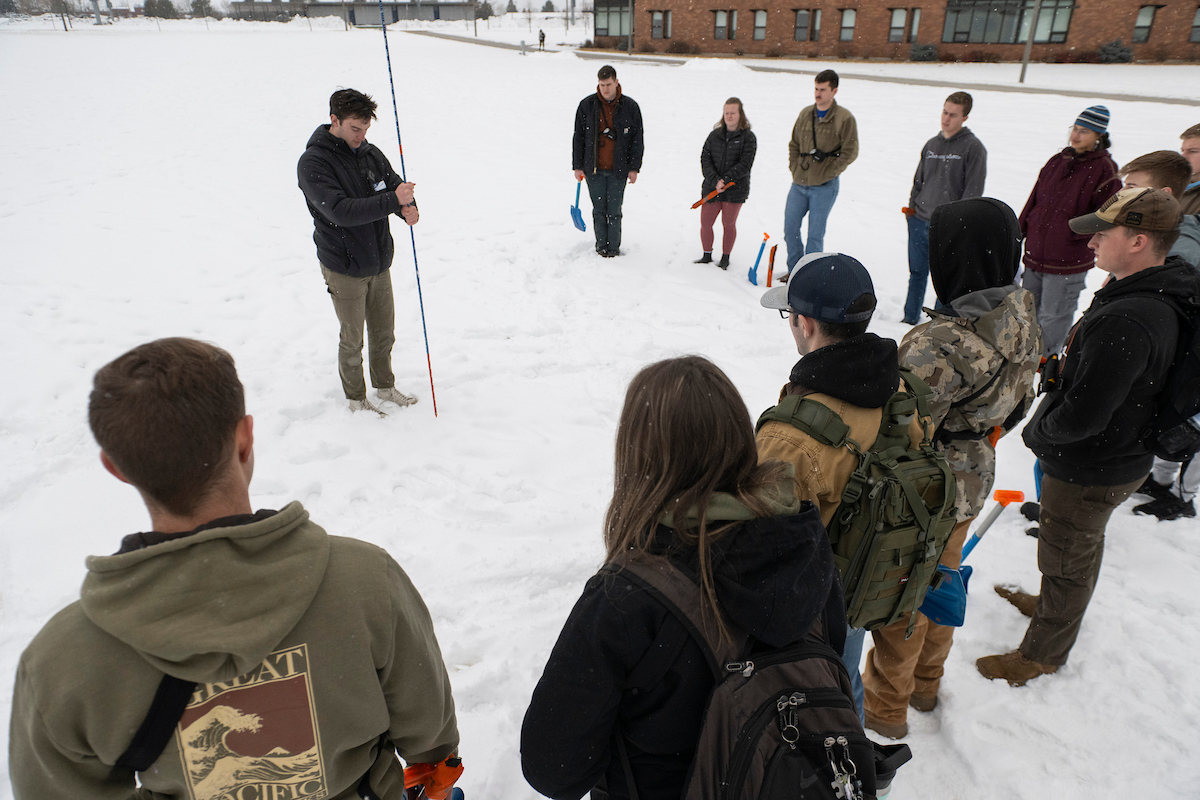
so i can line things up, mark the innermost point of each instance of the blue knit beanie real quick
(1094, 118)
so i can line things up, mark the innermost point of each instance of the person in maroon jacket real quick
(1073, 183)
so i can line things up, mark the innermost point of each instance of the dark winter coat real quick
(1089, 431)
(627, 127)
(623, 661)
(350, 195)
(1070, 185)
(728, 155)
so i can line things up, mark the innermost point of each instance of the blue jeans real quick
(918, 268)
(607, 191)
(816, 201)
(852, 657)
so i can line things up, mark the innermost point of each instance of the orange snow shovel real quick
(712, 194)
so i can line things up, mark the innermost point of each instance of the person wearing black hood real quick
(979, 354)
(687, 487)
(352, 191)
(828, 303)
(1087, 431)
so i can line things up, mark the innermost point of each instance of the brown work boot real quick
(886, 729)
(1012, 667)
(922, 703)
(1025, 603)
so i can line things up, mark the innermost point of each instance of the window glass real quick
(847, 34)
(801, 31)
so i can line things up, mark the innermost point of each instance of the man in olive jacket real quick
(824, 142)
(306, 660)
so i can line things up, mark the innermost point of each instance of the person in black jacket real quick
(351, 192)
(726, 158)
(1087, 433)
(607, 150)
(623, 664)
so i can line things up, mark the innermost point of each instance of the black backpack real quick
(897, 509)
(1173, 435)
(779, 724)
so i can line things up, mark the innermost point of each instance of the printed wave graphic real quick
(216, 770)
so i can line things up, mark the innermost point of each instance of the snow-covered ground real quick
(148, 189)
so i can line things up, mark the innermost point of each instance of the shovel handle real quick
(713, 194)
(578, 186)
(1003, 498)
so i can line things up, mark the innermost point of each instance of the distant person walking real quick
(725, 160)
(953, 167)
(607, 151)
(824, 142)
(1073, 183)
(541, 40)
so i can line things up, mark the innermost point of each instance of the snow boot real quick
(724, 262)
(1031, 511)
(1154, 489)
(365, 405)
(1024, 602)
(1167, 508)
(1012, 667)
(391, 395)
(704, 259)
(923, 703)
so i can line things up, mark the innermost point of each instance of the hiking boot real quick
(1031, 511)
(1012, 667)
(1167, 509)
(704, 259)
(365, 405)
(391, 395)
(724, 262)
(885, 729)
(1024, 602)
(907, 321)
(923, 703)
(1032, 531)
(1152, 488)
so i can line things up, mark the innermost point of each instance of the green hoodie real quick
(306, 650)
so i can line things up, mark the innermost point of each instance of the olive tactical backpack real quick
(780, 724)
(897, 509)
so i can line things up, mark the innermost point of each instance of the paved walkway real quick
(604, 55)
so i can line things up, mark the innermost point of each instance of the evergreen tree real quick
(511, 7)
(549, 7)
(484, 10)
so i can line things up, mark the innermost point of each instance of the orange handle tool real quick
(712, 194)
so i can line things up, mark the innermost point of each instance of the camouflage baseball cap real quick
(1144, 209)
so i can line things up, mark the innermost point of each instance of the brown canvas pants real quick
(1070, 549)
(357, 301)
(898, 668)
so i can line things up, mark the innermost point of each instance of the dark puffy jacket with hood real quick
(350, 194)
(622, 660)
(1070, 185)
(1089, 431)
(728, 155)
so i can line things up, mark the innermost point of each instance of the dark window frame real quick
(728, 31)
(812, 25)
(760, 32)
(896, 33)
(1141, 33)
(660, 24)
(1006, 21)
(846, 32)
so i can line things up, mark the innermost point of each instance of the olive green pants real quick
(359, 301)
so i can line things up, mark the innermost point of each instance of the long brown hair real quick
(684, 434)
(743, 123)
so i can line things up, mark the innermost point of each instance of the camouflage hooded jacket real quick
(980, 359)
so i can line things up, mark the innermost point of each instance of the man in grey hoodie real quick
(953, 167)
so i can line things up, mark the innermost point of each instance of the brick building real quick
(964, 30)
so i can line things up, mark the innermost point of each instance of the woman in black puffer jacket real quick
(727, 156)
(687, 487)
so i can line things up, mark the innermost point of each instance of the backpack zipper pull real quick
(744, 667)
(845, 781)
(789, 718)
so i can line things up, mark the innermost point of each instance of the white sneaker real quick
(365, 405)
(391, 395)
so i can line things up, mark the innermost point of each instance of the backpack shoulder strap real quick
(682, 598)
(810, 416)
(170, 700)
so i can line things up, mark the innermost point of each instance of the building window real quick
(808, 25)
(1195, 27)
(660, 24)
(1006, 21)
(612, 18)
(760, 25)
(896, 31)
(847, 34)
(725, 25)
(1145, 20)
(916, 23)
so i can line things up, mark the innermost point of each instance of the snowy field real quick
(149, 190)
